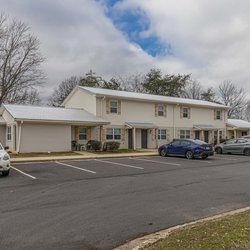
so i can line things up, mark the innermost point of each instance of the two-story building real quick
(139, 120)
(136, 120)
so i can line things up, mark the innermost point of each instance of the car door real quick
(229, 146)
(240, 146)
(184, 146)
(174, 147)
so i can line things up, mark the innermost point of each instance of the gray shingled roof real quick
(149, 97)
(52, 114)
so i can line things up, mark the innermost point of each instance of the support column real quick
(100, 134)
(134, 139)
(218, 136)
(235, 134)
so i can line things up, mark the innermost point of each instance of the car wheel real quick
(6, 173)
(218, 150)
(247, 151)
(189, 154)
(163, 152)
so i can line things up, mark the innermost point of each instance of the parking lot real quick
(101, 203)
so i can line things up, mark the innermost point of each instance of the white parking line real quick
(165, 163)
(119, 164)
(32, 177)
(71, 166)
(224, 158)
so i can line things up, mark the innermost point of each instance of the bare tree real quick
(192, 90)
(233, 97)
(63, 90)
(20, 61)
(247, 111)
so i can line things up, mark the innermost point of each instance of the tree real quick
(193, 90)
(209, 95)
(247, 111)
(112, 84)
(168, 85)
(233, 97)
(63, 90)
(20, 62)
(90, 80)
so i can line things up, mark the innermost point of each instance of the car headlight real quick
(6, 157)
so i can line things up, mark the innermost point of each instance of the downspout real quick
(19, 137)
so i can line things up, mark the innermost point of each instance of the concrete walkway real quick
(83, 155)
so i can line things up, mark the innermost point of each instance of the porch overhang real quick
(140, 125)
(204, 127)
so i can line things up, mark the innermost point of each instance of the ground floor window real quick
(162, 134)
(113, 134)
(185, 134)
(9, 133)
(82, 133)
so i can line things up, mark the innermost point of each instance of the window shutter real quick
(181, 112)
(221, 115)
(165, 110)
(123, 135)
(178, 133)
(88, 133)
(189, 113)
(107, 105)
(156, 110)
(76, 134)
(214, 114)
(153, 134)
(119, 107)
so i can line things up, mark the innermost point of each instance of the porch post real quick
(235, 134)
(218, 136)
(134, 140)
(101, 137)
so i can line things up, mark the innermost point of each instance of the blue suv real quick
(187, 147)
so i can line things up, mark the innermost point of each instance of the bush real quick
(94, 145)
(111, 146)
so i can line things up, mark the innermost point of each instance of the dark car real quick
(234, 146)
(187, 147)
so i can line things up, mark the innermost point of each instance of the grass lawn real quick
(232, 232)
(42, 154)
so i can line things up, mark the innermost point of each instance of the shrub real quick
(111, 146)
(94, 145)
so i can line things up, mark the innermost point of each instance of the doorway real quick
(144, 138)
(197, 135)
(130, 138)
(206, 136)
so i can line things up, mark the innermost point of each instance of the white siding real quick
(45, 137)
(3, 135)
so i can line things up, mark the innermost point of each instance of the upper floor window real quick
(218, 115)
(113, 106)
(185, 134)
(162, 134)
(160, 110)
(185, 112)
(113, 134)
(9, 133)
(82, 133)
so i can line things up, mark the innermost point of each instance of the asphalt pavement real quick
(102, 203)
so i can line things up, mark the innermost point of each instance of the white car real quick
(4, 161)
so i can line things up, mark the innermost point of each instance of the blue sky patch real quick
(133, 22)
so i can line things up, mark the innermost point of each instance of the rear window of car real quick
(185, 143)
(199, 142)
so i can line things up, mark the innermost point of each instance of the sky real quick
(209, 39)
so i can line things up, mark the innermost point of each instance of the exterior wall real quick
(82, 100)
(3, 135)
(45, 138)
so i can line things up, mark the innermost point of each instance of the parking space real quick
(103, 168)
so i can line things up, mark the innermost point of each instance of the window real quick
(185, 134)
(113, 134)
(82, 133)
(9, 133)
(113, 106)
(160, 110)
(176, 143)
(185, 143)
(218, 115)
(162, 134)
(185, 112)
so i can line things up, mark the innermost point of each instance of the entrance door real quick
(130, 139)
(197, 134)
(144, 138)
(206, 136)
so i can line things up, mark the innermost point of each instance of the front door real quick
(130, 139)
(197, 134)
(144, 138)
(206, 136)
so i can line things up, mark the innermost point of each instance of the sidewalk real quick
(83, 155)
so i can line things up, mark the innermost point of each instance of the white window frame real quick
(113, 134)
(9, 133)
(83, 133)
(185, 112)
(113, 108)
(218, 115)
(160, 110)
(185, 134)
(162, 134)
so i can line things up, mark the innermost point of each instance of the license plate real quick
(207, 148)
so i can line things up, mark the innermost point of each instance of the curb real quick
(57, 158)
(144, 241)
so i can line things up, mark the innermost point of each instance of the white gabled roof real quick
(149, 97)
(238, 123)
(52, 114)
